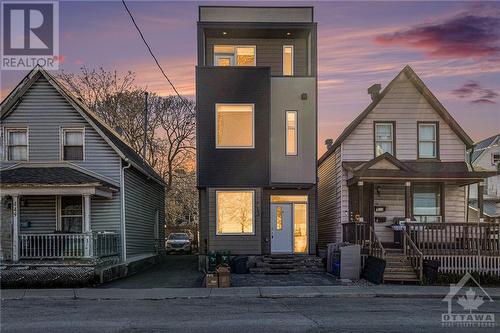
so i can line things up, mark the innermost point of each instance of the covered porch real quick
(46, 215)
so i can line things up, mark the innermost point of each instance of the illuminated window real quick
(299, 228)
(231, 55)
(279, 218)
(291, 132)
(235, 212)
(384, 138)
(288, 198)
(288, 60)
(235, 125)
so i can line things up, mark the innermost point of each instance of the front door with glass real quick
(281, 228)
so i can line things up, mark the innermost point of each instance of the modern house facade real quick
(73, 191)
(396, 179)
(485, 156)
(256, 96)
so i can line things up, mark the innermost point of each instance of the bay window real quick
(234, 125)
(428, 140)
(384, 138)
(17, 144)
(235, 212)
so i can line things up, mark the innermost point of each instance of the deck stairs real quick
(285, 264)
(398, 268)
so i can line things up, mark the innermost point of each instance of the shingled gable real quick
(106, 132)
(426, 93)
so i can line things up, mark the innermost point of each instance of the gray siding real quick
(105, 213)
(269, 52)
(456, 203)
(249, 14)
(142, 198)
(245, 244)
(40, 211)
(392, 196)
(44, 111)
(286, 96)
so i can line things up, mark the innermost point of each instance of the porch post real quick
(480, 202)
(86, 226)
(360, 202)
(15, 228)
(407, 201)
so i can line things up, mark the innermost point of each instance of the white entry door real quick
(281, 228)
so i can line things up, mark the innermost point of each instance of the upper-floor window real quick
(234, 126)
(232, 55)
(291, 132)
(428, 140)
(495, 158)
(287, 60)
(384, 138)
(17, 144)
(73, 144)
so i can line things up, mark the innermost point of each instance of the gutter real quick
(122, 213)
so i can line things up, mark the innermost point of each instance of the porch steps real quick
(398, 268)
(285, 264)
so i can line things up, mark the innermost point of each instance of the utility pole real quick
(145, 125)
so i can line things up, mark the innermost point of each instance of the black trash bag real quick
(374, 270)
(239, 265)
(430, 270)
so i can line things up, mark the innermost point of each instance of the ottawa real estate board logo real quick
(30, 35)
(470, 296)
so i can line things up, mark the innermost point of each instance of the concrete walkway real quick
(384, 291)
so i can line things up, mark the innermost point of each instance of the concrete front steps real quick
(398, 268)
(285, 264)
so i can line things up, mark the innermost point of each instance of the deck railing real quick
(456, 238)
(61, 246)
(356, 233)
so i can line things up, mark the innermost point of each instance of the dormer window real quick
(232, 55)
(384, 138)
(73, 144)
(17, 144)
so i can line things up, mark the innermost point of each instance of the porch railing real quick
(356, 233)
(455, 238)
(413, 254)
(376, 248)
(60, 246)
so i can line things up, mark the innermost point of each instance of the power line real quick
(154, 57)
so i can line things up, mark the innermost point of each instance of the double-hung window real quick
(428, 140)
(234, 125)
(291, 133)
(235, 212)
(73, 144)
(495, 158)
(287, 60)
(384, 138)
(234, 55)
(427, 203)
(17, 144)
(71, 214)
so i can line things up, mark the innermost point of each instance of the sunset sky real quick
(453, 46)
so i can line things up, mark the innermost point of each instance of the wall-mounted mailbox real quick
(379, 209)
(380, 219)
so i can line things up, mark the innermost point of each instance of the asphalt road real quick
(231, 315)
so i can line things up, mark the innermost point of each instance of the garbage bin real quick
(212, 261)
(430, 270)
(224, 275)
(239, 265)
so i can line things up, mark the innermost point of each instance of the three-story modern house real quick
(256, 94)
(73, 192)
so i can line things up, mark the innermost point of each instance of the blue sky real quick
(453, 46)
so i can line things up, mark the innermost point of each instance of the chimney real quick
(374, 91)
(329, 143)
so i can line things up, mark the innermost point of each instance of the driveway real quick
(173, 271)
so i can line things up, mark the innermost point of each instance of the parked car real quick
(178, 242)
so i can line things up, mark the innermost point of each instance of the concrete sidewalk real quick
(383, 291)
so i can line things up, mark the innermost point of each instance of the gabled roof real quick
(428, 95)
(482, 146)
(107, 133)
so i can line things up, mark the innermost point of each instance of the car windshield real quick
(178, 236)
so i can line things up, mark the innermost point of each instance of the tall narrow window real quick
(291, 132)
(427, 140)
(17, 144)
(287, 60)
(235, 212)
(384, 138)
(73, 144)
(426, 203)
(71, 214)
(231, 55)
(234, 125)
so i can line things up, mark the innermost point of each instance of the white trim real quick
(82, 215)
(217, 207)
(296, 133)
(217, 146)
(283, 60)
(62, 131)
(6, 131)
(55, 190)
(123, 232)
(15, 228)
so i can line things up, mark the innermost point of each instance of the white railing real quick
(60, 246)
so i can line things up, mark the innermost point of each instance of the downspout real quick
(122, 213)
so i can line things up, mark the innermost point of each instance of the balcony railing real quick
(67, 246)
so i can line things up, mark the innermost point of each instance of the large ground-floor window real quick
(235, 212)
(71, 213)
(427, 203)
